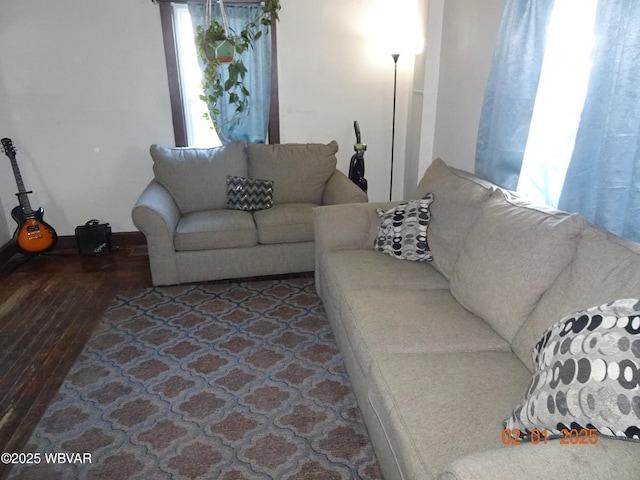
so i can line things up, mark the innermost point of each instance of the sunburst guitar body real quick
(33, 234)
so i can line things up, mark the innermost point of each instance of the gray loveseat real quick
(440, 353)
(192, 234)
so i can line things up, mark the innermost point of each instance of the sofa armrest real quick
(609, 459)
(339, 189)
(353, 225)
(339, 227)
(156, 215)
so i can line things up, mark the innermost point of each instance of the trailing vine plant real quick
(216, 37)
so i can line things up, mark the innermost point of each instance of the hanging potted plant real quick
(216, 41)
(219, 47)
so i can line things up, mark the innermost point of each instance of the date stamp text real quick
(567, 437)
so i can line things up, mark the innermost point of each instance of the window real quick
(183, 71)
(198, 129)
(560, 121)
(559, 101)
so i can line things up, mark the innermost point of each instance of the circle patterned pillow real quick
(403, 230)
(587, 375)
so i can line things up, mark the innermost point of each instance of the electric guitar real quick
(33, 234)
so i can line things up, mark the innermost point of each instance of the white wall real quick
(469, 30)
(424, 96)
(83, 93)
(333, 70)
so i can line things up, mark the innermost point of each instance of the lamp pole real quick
(395, 57)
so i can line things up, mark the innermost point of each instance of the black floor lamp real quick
(395, 57)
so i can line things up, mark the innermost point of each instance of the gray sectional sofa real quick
(441, 353)
(194, 234)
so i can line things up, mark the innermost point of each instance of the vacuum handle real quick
(356, 127)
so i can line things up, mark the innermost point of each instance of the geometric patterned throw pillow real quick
(403, 230)
(249, 193)
(587, 376)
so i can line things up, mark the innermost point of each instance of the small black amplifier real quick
(94, 238)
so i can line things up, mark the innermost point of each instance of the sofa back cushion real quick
(605, 268)
(299, 171)
(196, 178)
(458, 198)
(511, 256)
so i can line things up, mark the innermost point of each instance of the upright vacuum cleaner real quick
(356, 167)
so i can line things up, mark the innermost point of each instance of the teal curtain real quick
(511, 91)
(603, 178)
(253, 124)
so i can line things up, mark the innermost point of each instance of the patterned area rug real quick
(229, 381)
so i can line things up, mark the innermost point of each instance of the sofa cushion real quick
(605, 268)
(394, 321)
(196, 178)
(459, 198)
(403, 230)
(436, 408)
(285, 223)
(299, 171)
(587, 375)
(360, 268)
(249, 193)
(345, 273)
(510, 258)
(609, 459)
(214, 229)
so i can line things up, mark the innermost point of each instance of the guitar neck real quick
(23, 197)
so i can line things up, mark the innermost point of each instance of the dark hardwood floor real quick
(49, 306)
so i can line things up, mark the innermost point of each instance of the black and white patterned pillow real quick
(403, 230)
(249, 193)
(587, 375)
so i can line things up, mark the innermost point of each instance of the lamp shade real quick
(394, 28)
